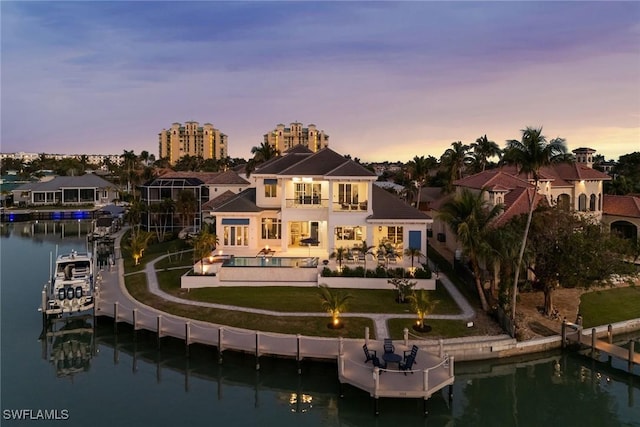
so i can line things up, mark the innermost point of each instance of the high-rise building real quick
(283, 138)
(193, 140)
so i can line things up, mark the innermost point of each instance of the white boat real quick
(71, 288)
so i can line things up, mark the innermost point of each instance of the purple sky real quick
(386, 81)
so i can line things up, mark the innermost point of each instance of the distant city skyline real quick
(387, 81)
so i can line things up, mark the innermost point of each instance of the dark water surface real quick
(124, 380)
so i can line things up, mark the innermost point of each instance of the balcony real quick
(349, 207)
(307, 202)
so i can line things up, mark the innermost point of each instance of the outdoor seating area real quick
(404, 362)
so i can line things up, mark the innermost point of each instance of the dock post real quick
(405, 335)
(298, 353)
(115, 317)
(593, 343)
(366, 335)
(257, 350)
(441, 345)
(159, 328)
(564, 332)
(610, 333)
(134, 316)
(451, 370)
(631, 354)
(425, 380)
(44, 307)
(220, 337)
(340, 346)
(187, 336)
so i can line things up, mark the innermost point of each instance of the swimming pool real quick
(277, 262)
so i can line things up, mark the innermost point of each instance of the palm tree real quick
(530, 154)
(186, 205)
(413, 253)
(419, 172)
(333, 302)
(454, 159)
(129, 162)
(365, 250)
(339, 254)
(484, 149)
(421, 304)
(203, 244)
(469, 217)
(261, 154)
(137, 244)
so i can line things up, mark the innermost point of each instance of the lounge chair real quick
(388, 346)
(369, 354)
(351, 258)
(361, 258)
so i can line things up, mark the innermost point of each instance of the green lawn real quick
(610, 306)
(310, 326)
(152, 252)
(439, 328)
(299, 299)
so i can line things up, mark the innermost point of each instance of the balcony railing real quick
(307, 202)
(362, 206)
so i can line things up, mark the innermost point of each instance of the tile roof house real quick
(622, 215)
(321, 196)
(573, 186)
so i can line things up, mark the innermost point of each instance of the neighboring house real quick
(622, 215)
(66, 191)
(322, 200)
(204, 185)
(571, 186)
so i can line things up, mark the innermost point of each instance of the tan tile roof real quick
(628, 206)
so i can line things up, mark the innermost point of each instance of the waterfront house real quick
(66, 191)
(305, 202)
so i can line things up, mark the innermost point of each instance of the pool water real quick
(284, 262)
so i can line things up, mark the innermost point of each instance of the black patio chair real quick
(388, 346)
(407, 364)
(413, 353)
(369, 354)
(377, 363)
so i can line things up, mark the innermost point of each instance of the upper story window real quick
(270, 188)
(348, 193)
(307, 193)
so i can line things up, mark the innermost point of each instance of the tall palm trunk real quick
(478, 280)
(521, 253)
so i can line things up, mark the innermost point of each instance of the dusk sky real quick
(386, 81)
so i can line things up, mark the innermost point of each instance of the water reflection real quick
(68, 344)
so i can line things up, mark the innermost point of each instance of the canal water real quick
(107, 379)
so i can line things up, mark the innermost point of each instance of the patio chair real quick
(407, 364)
(351, 258)
(388, 346)
(369, 354)
(411, 353)
(377, 363)
(381, 258)
(361, 258)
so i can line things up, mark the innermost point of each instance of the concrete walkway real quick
(116, 274)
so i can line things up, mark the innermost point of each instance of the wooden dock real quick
(573, 333)
(431, 374)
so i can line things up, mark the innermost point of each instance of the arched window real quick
(582, 202)
(599, 201)
(564, 202)
(592, 203)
